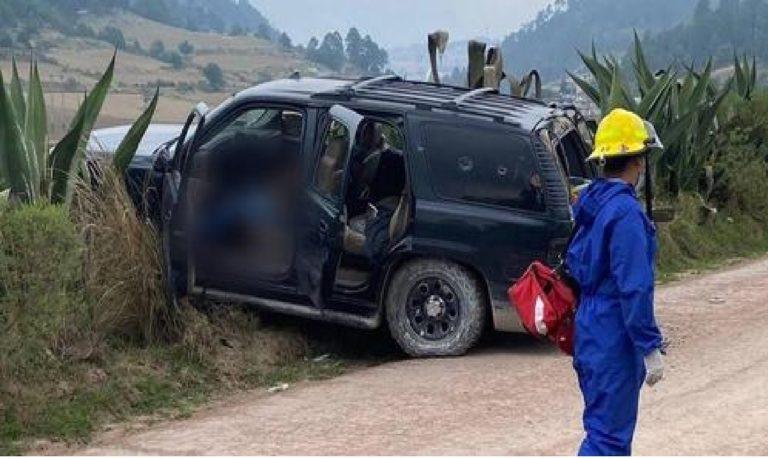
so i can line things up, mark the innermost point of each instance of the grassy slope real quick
(696, 241)
(69, 398)
(245, 62)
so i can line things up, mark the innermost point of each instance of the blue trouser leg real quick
(611, 397)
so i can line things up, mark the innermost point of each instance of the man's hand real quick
(654, 367)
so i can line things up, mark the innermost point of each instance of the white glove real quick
(654, 367)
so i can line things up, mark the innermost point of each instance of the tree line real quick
(362, 53)
(716, 30)
(547, 43)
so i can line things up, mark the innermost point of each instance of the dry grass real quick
(122, 270)
(124, 108)
(243, 54)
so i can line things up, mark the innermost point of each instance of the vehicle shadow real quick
(494, 342)
(351, 344)
(377, 346)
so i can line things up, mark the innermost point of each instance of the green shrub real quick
(41, 298)
(737, 189)
(698, 239)
(748, 123)
(743, 184)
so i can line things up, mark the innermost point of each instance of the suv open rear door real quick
(321, 228)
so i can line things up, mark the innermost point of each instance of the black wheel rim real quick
(433, 309)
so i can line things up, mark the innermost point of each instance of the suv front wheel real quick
(435, 308)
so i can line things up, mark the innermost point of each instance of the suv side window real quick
(483, 165)
(331, 166)
(259, 124)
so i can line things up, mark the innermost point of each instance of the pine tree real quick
(355, 54)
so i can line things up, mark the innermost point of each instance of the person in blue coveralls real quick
(617, 342)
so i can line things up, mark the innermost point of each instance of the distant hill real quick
(151, 54)
(714, 31)
(223, 16)
(549, 42)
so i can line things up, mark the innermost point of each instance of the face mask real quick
(640, 185)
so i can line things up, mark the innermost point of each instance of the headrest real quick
(371, 137)
(290, 124)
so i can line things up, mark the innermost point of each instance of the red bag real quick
(546, 303)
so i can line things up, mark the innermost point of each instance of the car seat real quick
(354, 232)
(331, 168)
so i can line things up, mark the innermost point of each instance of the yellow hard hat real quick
(623, 133)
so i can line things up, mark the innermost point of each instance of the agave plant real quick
(745, 75)
(682, 108)
(27, 169)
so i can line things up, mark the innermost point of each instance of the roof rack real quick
(485, 102)
(372, 81)
(457, 101)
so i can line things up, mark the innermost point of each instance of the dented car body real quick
(368, 202)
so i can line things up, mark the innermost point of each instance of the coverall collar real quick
(594, 198)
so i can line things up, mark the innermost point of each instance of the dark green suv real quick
(369, 202)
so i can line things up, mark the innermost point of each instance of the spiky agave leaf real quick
(708, 115)
(618, 97)
(127, 148)
(699, 92)
(68, 155)
(16, 92)
(13, 151)
(741, 81)
(600, 73)
(656, 97)
(36, 129)
(592, 92)
(63, 156)
(643, 72)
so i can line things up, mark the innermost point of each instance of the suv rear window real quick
(483, 165)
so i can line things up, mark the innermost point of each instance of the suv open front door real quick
(321, 228)
(173, 235)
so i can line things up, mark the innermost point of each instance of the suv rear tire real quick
(435, 308)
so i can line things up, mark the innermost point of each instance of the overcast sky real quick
(399, 22)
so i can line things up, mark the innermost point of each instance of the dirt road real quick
(511, 396)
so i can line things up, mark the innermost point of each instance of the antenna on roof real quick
(296, 75)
